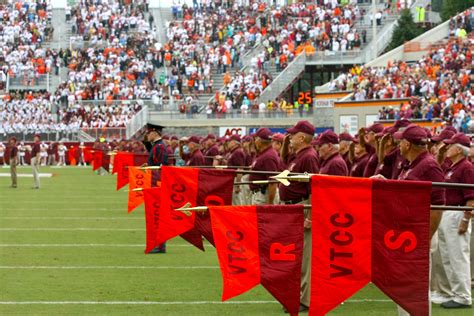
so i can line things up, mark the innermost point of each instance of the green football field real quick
(71, 248)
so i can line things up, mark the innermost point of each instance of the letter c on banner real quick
(399, 241)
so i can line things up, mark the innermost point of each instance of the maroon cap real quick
(37, 135)
(264, 133)
(302, 127)
(346, 136)
(174, 137)
(451, 128)
(166, 137)
(194, 139)
(210, 136)
(235, 137)
(328, 137)
(445, 134)
(387, 130)
(414, 134)
(402, 123)
(13, 138)
(460, 139)
(376, 128)
(278, 137)
(246, 138)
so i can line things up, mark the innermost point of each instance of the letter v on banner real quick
(138, 179)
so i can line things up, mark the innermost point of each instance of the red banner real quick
(342, 236)
(197, 187)
(401, 242)
(152, 198)
(374, 231)
(98, 156)
(88, 154)
(138, 179)
(121, 163)
(260, 244)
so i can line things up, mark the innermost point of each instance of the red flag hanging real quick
(207, 187)
(138, 179)
(105, 163)
(178, 187)
(341, 229)
(260, 244)
(369, 233)
(401, 242)
(152, 198)
(117, 160)
(97, 159)
(88, 154)
(123, 162)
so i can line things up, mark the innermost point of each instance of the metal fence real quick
(234, 114)
(51, 136)
(137, 122)
(108, 133)
(284, 79)
(28, 80)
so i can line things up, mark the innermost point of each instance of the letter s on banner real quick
(401, 240)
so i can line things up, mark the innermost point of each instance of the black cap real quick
(154, 127)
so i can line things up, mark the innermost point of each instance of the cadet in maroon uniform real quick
(35, 161)
(305, 159)
(370, 138)
(345, 141)
(421, 166)
(438, 150)
(236, 158)
(387, 153)
(212, 149)
(196, 158)
(331, 162)
(267, 160)
(13, 161)
(277, 142)
(454, 231)
(360, 160)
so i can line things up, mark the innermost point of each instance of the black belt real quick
(296, 201)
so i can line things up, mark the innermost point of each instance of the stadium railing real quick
(139, 120)
(108, 133)
(50, 136)
(28, 81)
(284, 79)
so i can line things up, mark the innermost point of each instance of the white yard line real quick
(27, 175)
(108, 267)
(168, 303)
(84, 245)
(71, 218)
(73, 229)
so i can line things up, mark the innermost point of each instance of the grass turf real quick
(35, 224)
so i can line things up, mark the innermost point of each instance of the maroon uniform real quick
(462, 172)
(386, 167)
(334, 165)
(371, 165)
(196, 159)
(13, 152)
(35, 150)
(398, 165)
(425, 168)
(358, 166)
(237, 157)
(212, 152)
(267, 160)
(306, 160)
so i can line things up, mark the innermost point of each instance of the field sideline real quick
(71, 248)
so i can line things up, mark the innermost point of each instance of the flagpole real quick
(186, 209)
